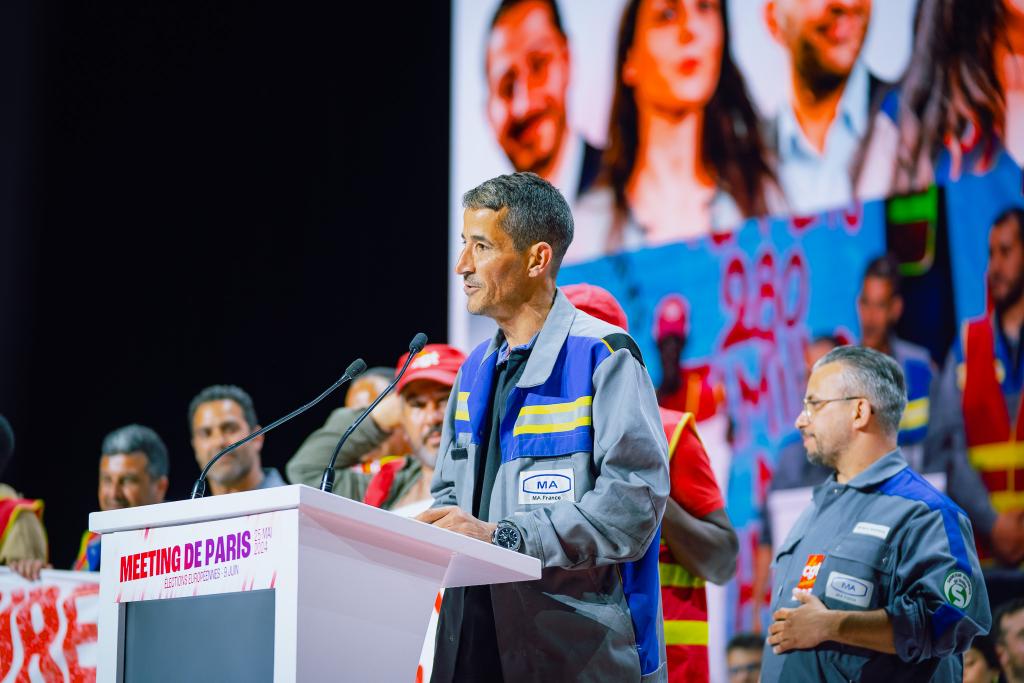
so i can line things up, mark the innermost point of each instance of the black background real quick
(208, 192)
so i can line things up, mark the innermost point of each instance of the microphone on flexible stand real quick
(415, 346)
(354, 370)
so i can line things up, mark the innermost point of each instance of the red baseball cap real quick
(436, 362)
(671, 317)
(598, 302)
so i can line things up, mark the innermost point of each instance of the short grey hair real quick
(537, 211)
(875, 376)
(138, 438)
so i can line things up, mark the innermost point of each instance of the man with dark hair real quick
(879, 308)
(1008, 624)
(878, 579)
(528, 70)
(218, 416)
(133, 472)
(979, 412)
(553, 447)
(820, 126)
(743, 657)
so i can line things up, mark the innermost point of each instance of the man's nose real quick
(463, 265)
(520, 98)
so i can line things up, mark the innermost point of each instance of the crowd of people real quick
(881, 574)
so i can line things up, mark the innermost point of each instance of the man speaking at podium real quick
(552, 446)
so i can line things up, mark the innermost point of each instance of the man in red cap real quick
(417, 407)
(698, 542)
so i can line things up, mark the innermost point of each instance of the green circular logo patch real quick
(958, 589)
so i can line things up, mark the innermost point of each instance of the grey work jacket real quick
(582, 420)
(889, 540)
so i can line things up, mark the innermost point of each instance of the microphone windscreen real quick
(357, 368)
(418, 342)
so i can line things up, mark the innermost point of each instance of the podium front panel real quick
(214, 558)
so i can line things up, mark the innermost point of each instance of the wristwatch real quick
(507, 535)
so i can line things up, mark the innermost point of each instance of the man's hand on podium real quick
(455, 519)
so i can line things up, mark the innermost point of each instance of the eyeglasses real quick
(811, 406)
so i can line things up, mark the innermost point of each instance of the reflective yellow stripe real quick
(551, 428)
(462, 406)
(609, 346)
(557, 407)
(1007, 500)
(997, 456)
(686, 632)
(916, 414)
(677, 576)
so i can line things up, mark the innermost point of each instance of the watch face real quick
(507, 537)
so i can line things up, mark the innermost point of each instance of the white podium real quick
(339, 590)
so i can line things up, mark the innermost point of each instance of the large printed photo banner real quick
(48, 627)
(733, 166)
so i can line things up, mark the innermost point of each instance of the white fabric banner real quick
(48, 627)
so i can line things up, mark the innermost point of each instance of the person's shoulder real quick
(912, 487)
(597, 333)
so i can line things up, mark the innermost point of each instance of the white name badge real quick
(849, 589)
(868, 529)
(546, 486)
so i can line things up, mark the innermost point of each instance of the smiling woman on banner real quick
(685, 156)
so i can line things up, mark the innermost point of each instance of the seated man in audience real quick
(133, 472)
(220, 415)
(23, 545)
(417, 410)
(743, 657)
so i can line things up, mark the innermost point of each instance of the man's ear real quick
(541, 259)
(861, 414)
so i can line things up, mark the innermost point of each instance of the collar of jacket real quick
(880, 470)
(550, 340)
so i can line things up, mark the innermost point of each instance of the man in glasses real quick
(879, 578)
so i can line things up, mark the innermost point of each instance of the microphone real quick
(354, 370)
(415, 346)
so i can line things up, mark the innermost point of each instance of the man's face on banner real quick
(676, 57)
(1005, 264)
(823, 37)
(879, 309)
(527, 79)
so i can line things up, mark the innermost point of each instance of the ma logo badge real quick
(546, 486)
(958, 589)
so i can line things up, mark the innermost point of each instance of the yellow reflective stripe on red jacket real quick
(686, 632)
